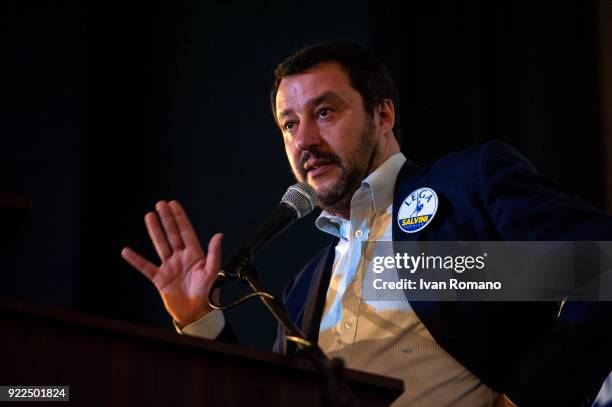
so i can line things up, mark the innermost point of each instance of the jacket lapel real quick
(410, 178)
(313, 309)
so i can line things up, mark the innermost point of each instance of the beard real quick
(354, 169)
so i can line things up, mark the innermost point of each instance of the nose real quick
(308, 135)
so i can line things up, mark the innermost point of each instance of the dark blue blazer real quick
(487, 193)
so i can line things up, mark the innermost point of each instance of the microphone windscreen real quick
(302, 198)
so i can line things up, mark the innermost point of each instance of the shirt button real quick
(347, 325)
(359, 233)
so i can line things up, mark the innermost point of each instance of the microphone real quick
(299, 200)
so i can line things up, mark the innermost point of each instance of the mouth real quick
(316, 168)
(320, 170)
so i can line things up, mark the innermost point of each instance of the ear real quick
(385, 116)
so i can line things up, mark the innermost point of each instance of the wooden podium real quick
(114, 363)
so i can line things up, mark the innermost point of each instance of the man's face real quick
(329, 138)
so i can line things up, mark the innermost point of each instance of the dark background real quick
(109, 107)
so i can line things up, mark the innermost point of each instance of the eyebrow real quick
(325, 96)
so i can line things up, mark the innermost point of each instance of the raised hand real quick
(186, 273)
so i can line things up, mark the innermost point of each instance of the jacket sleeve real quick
(568, 365)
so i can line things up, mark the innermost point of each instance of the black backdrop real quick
(110, 107)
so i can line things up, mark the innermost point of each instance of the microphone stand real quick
(332, 370)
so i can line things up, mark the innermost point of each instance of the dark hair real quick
(367, 74)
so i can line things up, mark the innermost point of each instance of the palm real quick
(183, 281)
(185, 274)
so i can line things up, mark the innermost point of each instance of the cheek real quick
(289, 152)
(293, 157)
(342, 140)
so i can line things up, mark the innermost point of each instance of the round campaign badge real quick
(417, 210)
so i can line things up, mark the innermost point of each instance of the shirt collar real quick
(380, 183)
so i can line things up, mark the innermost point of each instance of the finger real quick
(158, 236)
(214, 254)
(139, 263)
(169, 224)
(188, 234)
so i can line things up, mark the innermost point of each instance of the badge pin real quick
(417, 210)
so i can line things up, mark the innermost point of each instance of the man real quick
(336, 106)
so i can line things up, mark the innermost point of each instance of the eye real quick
(288, 125)
(324, 112)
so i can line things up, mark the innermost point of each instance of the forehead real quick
(296, 91)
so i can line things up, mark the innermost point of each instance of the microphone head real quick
(302, 198)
